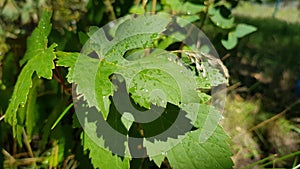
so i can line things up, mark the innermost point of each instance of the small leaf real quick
(67, 59)
(231, 42)
(242, 30)
(38, 39)
(219, 20)
(191, 8)
(127, 119)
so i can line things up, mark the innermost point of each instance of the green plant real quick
(156, 69)
(142, 76)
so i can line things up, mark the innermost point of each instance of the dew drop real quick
(164, 153)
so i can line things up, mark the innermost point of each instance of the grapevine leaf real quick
(101, 157)
(153, 79)
(130, 34)
(159, 79)
(207, 118)
(88, 73)
(40, 60)
(214, 153)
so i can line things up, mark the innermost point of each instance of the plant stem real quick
(274, 117)
(2, 117)
(110, 9)
(27, 144)
(153, 6)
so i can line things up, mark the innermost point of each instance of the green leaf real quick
(218, 19)
(154, 79)
(242, 30)
(186, 8)
(190, 8)
(40, 60)
(32, 115)
(207, 119)
(130, 34)
(190, 153)
(101, 157)
(67, 59)
(231, 42)
(127, 119)
(161, 76)
(62, 115)
(38, 40)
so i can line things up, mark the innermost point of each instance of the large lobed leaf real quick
(156, 78)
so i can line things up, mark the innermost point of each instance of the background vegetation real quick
(262, 110)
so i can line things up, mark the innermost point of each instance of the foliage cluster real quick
(36, 84)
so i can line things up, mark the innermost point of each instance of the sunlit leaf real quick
(40, 61)
(219, 19)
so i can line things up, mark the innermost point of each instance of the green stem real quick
(62, 115)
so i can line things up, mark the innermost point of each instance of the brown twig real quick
(225, 56)
(205, 15)
(274, 117)
(74, 165)
(2, 117)
(137, 2)
(61, 80)
(8, 156)
(153, 6)
(23, 161)
(144, 3)
(110, 9)
(27, 144)
(70, 157)
(234, 86)
(20, 155)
